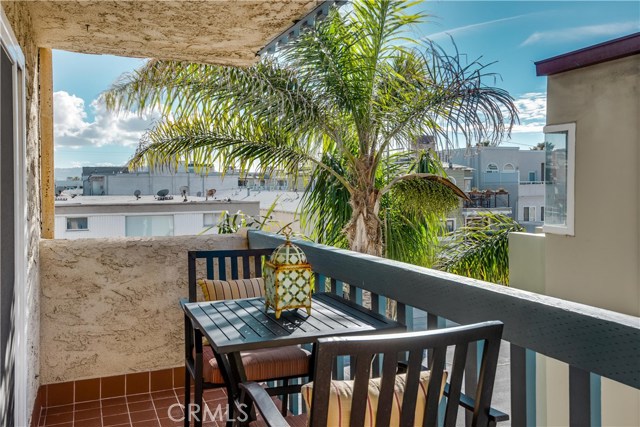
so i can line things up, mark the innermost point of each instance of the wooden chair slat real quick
(360, 388)
(435, 385)
(385, 401)
(455, 379)
(412, 385)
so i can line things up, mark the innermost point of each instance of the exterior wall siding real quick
(110, 306)
(603, 102)
(192, 224)
(149, 184)
(98, 226)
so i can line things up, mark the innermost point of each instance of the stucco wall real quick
(110, 306)
(603, 255)
(600, 265)
(21, 23)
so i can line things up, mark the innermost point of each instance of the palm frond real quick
(325, 208)
(480, 250)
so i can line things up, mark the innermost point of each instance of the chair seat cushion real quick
(216, 290)
(263, 364)
(341, 395)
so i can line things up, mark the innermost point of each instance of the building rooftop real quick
(603, 52)
(144, 200)
(287, 201)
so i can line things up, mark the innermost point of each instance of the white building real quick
(119, 216)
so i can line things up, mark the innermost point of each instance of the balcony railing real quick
(588, 339)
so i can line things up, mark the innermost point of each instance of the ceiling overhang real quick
(226, 32)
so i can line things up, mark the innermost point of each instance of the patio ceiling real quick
(227, 32)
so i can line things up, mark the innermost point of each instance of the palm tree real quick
(481, 249)
(339, 98)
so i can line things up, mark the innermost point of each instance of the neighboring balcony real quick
(110, 315)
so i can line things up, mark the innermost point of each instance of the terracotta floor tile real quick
(54, 410)
(113, 401)
(60, 425)
(163, 394)
(167, 422)
(149, 423)
(216, 392)
(59, 418)
(87, 414)
(115, 410)
(114, 420)
(92, 422)
(144, 397)
(169, 412)
(87, 405)
(141, 406)
(165, 403)
(143, 416)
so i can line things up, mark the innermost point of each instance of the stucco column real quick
(46, 144)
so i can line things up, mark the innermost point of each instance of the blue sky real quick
(513, 34)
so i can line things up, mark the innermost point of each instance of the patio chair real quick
(282, 364)
(416, 395)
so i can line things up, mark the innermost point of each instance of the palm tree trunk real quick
(365, 235)
(364, 229)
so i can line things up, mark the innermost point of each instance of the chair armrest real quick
(468, 403)
(259, 396)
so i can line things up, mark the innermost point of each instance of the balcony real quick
(112, 328)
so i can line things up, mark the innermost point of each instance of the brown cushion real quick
(341, 394)
(216, 290)
(261, 365)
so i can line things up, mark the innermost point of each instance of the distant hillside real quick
(64, 173)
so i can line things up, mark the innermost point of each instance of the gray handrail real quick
(596, 340)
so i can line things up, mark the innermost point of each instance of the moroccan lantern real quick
(288, 279)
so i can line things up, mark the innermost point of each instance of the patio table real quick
(234, 326)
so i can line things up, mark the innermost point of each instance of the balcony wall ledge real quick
(110, 306)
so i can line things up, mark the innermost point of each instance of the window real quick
(76, 224)
(149, 225)
(450, 224)
(532, 176)
(529, 213)
(467, 184)
(492, 168)
(242, 182)
(560, 154)
(508, 168)
(210, 219)
(452, 179)
(541, 213)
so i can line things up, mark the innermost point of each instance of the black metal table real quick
(233, 326)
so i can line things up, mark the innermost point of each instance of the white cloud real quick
(68, 114)
(578, 33)
(532, 110)
(472, 27)
(73, 130)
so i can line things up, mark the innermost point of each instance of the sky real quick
(508, 35)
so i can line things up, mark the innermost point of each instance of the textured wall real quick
(21, 23)
(599, 266)
(110, 306)
(222, 32)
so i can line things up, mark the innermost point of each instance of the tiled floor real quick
(138, 410)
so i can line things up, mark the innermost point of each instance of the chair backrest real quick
(225, 265)
(364, 348)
